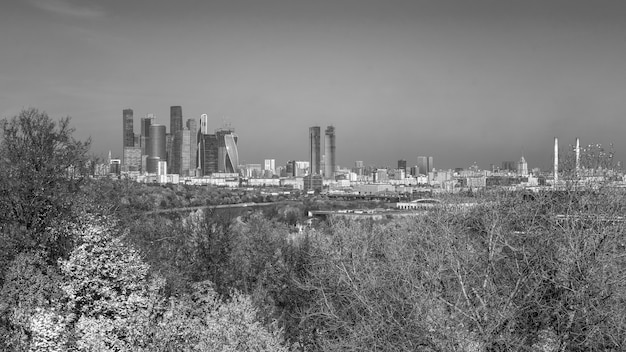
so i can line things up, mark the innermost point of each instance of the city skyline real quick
(485, 82)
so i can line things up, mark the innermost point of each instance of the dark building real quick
(402, 165)
(157, 147)
(192, 125)
(146, 122)
(227, 154)
(208, 154)
(509, 166)
(127, 128)
(176, 119)
(314, 148)
(329, 153)
(290, 168)
(313, 183)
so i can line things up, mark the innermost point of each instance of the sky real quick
(480, 81)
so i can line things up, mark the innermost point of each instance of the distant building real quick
(156, 147)
(128, 134)
(313, 182)
(127, 128)
(270, 165)
(425, 164)
(522, 167)
(314, 150)
(182, 155)
(144, 138)
(329, 153)
(192, 126)
(509, 166)
(402, 165)
(218, 152)
(176, 119)
(132, 158)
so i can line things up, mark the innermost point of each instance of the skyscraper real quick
(425, 164)
(204, 124)
(314, 145)
(227, 153)
(192, 126)
(157, 147)
(176, 119)
(329, 153)
(402, 165)
(182, 155)
(127, 128)
(270, 165)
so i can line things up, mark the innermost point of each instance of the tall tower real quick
(157, 147)
(176, 119)
(314, 145)
(204, 124)
(127, 128)
(329, 153)
(192, 125)
(577, 156)
(556, 160)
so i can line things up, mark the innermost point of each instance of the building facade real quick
(314, 150)
(329, 153)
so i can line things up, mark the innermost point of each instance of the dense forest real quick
(85, 266)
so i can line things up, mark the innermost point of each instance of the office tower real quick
(192, 126)
(522, 167)
(228, 155)
(128, 134)
(132, 158)
(176, 119)
(422, 165)
(157, 147)
(556, 160)
(329, 153)
(425, 164)
(208, 154)
(204, 124)
(508, 166)
(181, 152)
(270, 165)
(291, 168)
(169, 151)
(402, 165)
(146, 122)
(314, 149)
(127, 128)
(577, 151)
(359, 164)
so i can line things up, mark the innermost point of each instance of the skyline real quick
(486, 81)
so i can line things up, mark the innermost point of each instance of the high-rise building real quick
(146, 122)
(522, 167)
(127, 128)
(192, 126)
(314, 149)
(181, 150)
(329, 153)
(157, 147)
(431, 164)
(508, 166)
(176, 119)
(128, 134)
(422, 165)
(270, 165)
(402, 165)
(208, 154)
(228, 155)
(204, 124)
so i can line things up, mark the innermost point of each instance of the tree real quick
(41, 168)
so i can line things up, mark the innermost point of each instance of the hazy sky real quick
(464, 81)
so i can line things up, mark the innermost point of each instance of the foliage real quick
(41, 168)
